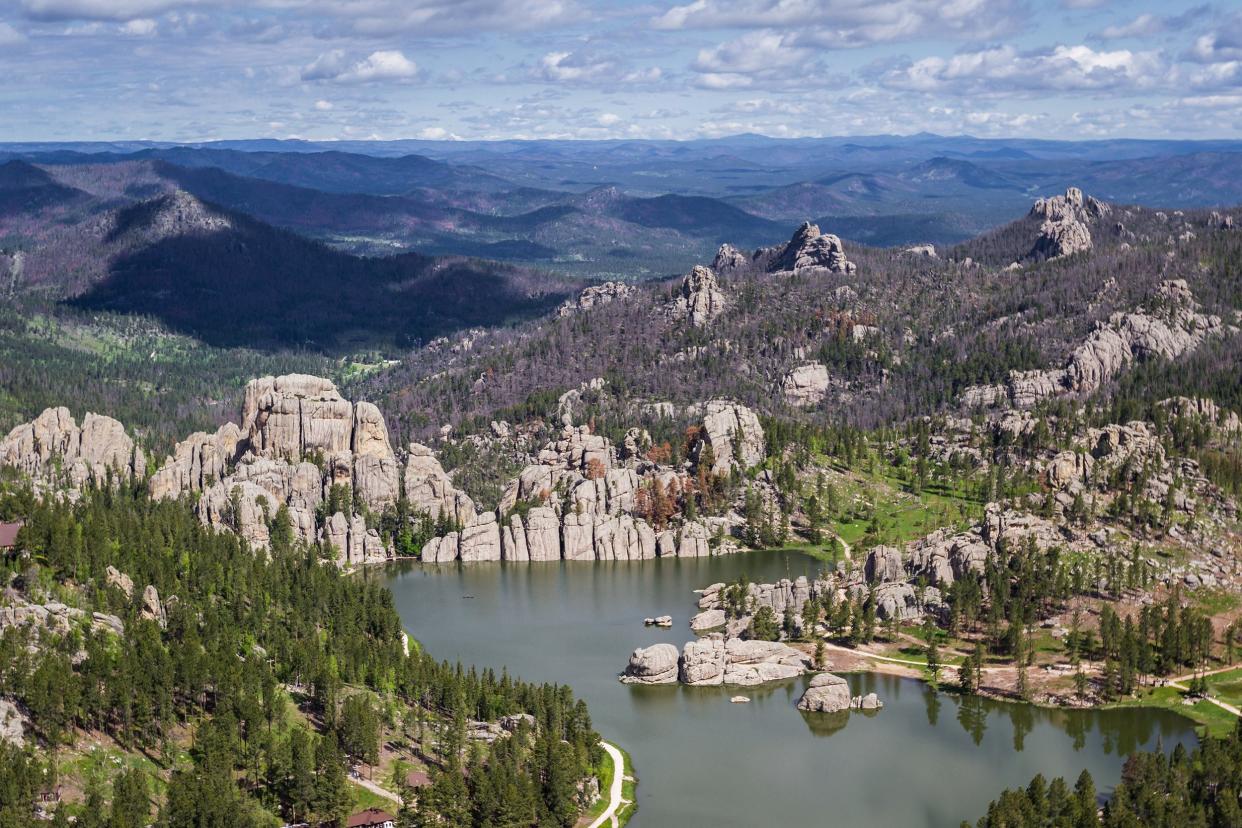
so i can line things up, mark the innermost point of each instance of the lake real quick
(926, 759)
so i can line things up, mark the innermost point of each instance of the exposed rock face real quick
(292, 416)
(430, 490)
(806, 385)
(926, 251)
(734, 434)
(594, 297)
(54, 451)
(827, 693)
(657, 664)
(811, 250)
(901, 601)
(884, 564)
(700, 299)
(12, 724)
(1065, 218)
(1172, 328)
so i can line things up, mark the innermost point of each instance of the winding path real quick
(609, 816)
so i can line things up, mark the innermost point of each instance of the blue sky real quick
(209, 69)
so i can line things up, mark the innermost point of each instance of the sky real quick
(197, 70)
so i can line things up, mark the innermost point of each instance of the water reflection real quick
(926, 759)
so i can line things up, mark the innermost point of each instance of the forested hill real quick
(230, 280)
(236, 689)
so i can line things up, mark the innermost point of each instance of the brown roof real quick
(8, 534)
(417, 779)
(371, 816)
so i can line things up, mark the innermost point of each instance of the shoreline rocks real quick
(715, 660)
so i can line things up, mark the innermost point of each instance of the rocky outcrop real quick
(1206, 411)
(54, 618)
(1064, 230)
(1172, 327)
(810, 250)
(56, 453)
(827, 693)
(657, 664)
(594, 297)
(717, 660)
(806, 384)
(197, 462)
(1220, 221)
(924, 251)
(699, 300)
(734, 434)
(298, 439)
(729, 258)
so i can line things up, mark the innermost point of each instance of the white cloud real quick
(1004, 69)
(836, 24)
(436, 134)
(139, 27)
(119, 10)
(1144, 25)
(569, 66)
(9, 36)
(323, 106)
(384, 65)
(608, 119)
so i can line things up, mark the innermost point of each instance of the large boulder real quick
(656, 664)
(827, 693)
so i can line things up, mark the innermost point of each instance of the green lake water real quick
(926, 759)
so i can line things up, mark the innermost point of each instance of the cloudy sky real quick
(329, 69)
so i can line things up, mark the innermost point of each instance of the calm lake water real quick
(926, 759)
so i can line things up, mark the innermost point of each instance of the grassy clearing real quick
(1227, 686)
(1212, 719)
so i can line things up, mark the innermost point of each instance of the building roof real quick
(8, 534)
(371, 816)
